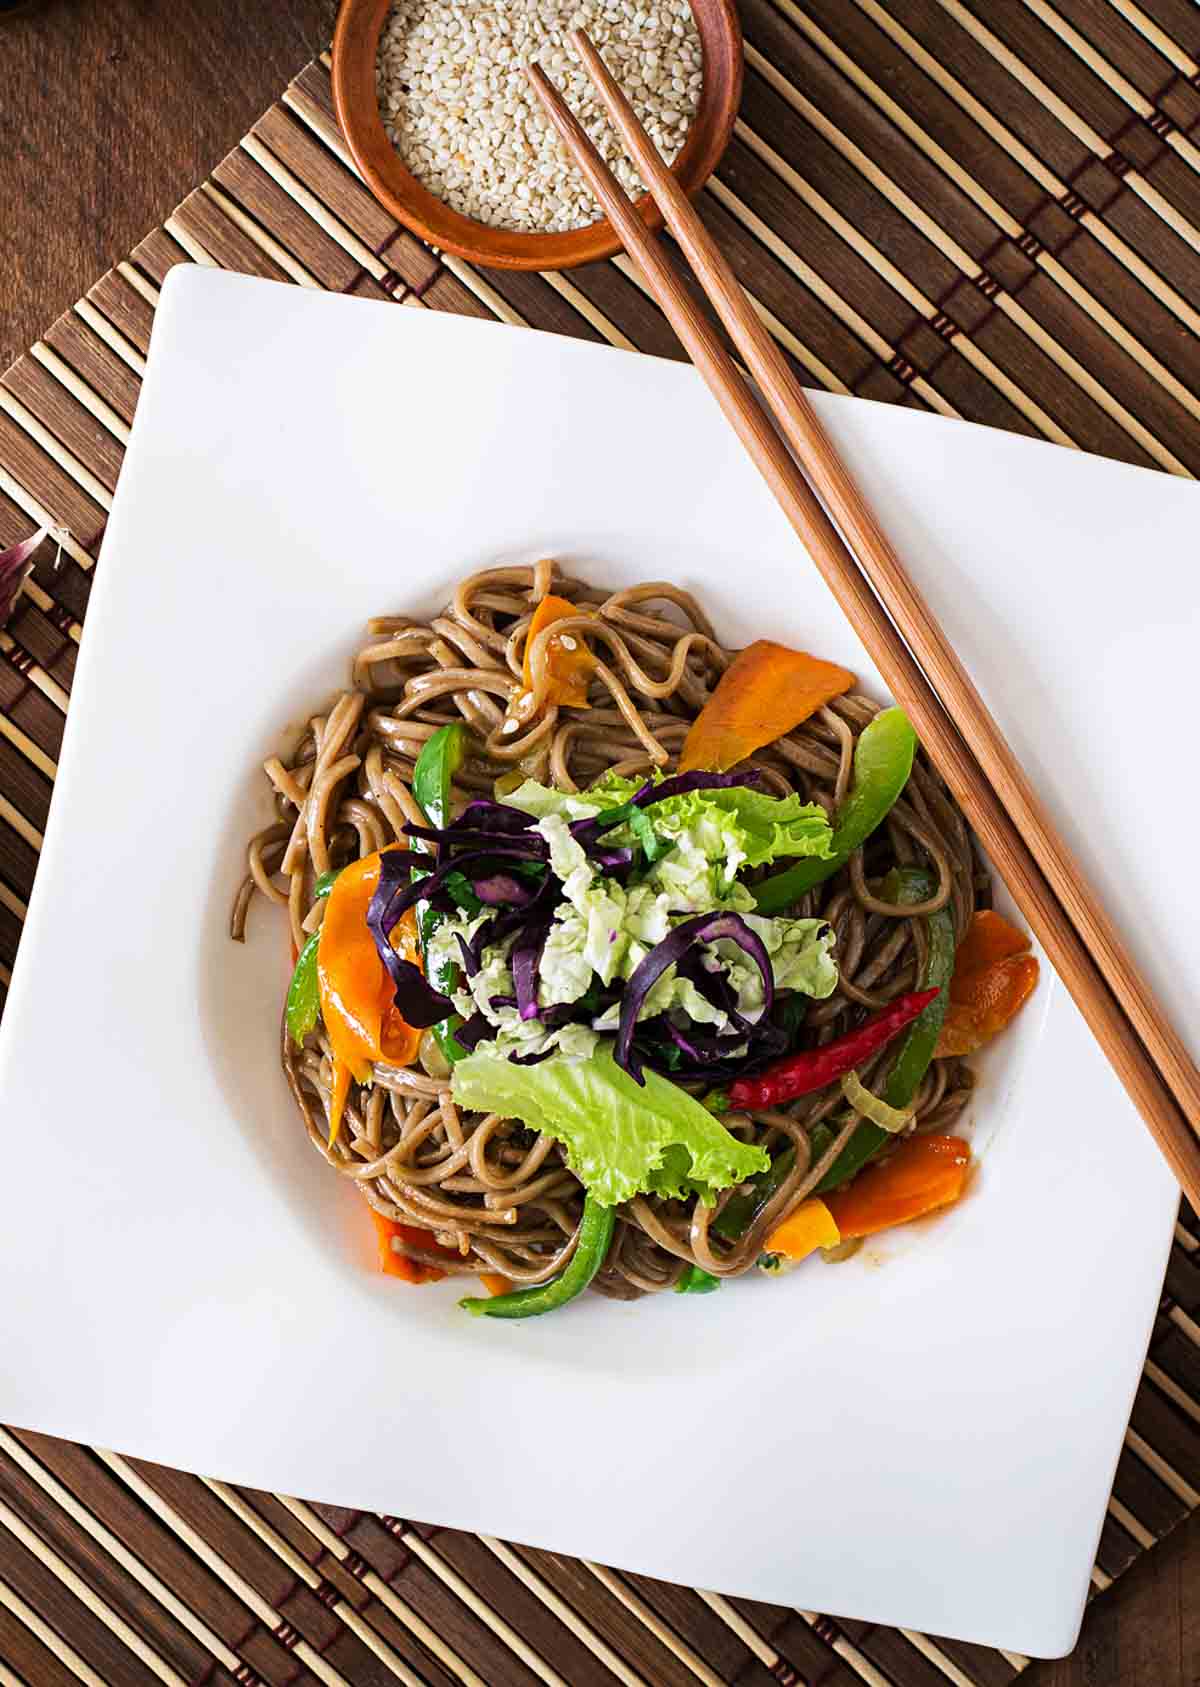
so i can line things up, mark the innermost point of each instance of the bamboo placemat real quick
(991, 212)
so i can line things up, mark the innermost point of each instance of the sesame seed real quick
(568, 643)
(455, 103)
(509, 727)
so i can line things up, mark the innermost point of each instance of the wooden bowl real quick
(355, 45)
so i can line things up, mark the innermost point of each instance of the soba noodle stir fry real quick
(622, 959)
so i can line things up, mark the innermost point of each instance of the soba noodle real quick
(499, 1194)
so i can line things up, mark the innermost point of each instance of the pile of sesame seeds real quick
(464, 119)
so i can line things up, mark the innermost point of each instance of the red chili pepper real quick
(801, 1074)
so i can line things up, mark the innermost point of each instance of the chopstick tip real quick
(584, 46)
(541, 82)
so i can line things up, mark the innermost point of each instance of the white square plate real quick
(925, 1436)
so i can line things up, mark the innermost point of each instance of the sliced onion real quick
(874, 1107)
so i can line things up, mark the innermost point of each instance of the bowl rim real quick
(355, 44)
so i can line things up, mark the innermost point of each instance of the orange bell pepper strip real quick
(994, 974)
(494, 1283)
(766, 691)
(810, 1227)
(355, 991)
(924, 1174)
(395, 1264)
(569, 662)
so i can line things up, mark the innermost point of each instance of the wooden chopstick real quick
(804, 432)
(1157, 1073)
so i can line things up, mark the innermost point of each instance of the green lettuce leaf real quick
(745, 828)
(621, 1139)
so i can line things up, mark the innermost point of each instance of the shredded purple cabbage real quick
(702, 1046)
(425, 889)
(501, 926)
(473, 1031)
(521, 845)
(417, 1002)
(482, 813)
(526, 960)
(612, 859)
(504, 852)
(499, 889)
(470, 959)
(687, 1044)
(703, 928)
(564, 1013)
(482, 844)
(713, 984)
(697, 781)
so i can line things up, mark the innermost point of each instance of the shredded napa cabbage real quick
(602, 930)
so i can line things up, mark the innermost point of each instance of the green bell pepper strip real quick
(303, 997)
(911, 886)
(883, 759)
(595, 1234)
(439, 760)
(433, 775)
(697, 1281)
(742, 1211)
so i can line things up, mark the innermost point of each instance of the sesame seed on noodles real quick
(456, 105)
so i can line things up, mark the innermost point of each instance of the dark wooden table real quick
(111, 111)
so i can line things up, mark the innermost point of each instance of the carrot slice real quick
(765, 692)
(569, 662)
(395, 1264)
(994, 975)
(810, 1227)
(922, 1175)
(355, 989)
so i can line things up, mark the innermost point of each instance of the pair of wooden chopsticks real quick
(817, 493)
